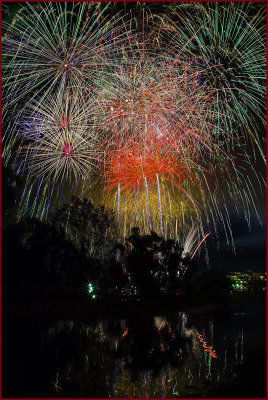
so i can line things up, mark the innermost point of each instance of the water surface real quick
(204, 354)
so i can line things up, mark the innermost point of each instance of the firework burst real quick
(57, 140)
(52, 45)
(230, 46)
(157, 112)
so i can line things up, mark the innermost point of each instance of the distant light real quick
(93, 296)
(90, 288)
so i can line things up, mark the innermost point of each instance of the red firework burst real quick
(132, 166)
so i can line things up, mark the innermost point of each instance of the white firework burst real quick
(58, 138)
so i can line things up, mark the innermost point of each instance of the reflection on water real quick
(142, 356)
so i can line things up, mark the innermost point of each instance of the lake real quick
(203, 353)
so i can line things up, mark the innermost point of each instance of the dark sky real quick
(250, 247)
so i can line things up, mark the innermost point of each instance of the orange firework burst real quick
(133, 166)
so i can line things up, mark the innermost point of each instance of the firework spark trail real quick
(204, 238)
(160, 103)
(225, 36)
(190, 241)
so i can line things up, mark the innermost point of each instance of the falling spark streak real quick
(160, 205)
(204, 238)
(118, 203)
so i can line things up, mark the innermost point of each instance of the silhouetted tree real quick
(153, 262)
(143, 263)
(35, 253)
(115, 276)
(10, 182)
(91, 229)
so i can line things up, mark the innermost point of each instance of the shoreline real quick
(81, 306)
